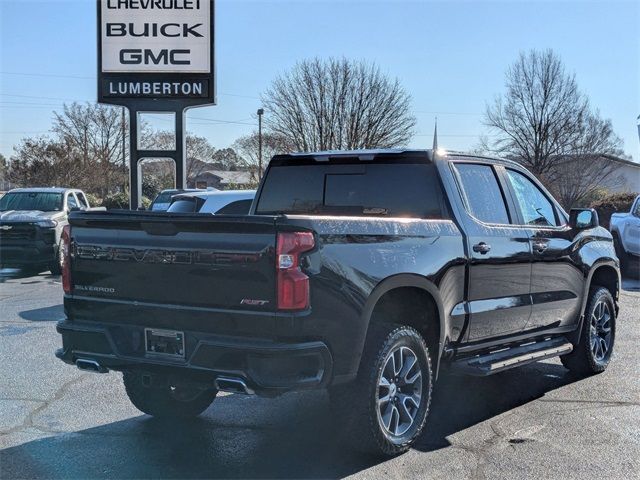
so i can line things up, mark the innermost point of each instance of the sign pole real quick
(156, 57)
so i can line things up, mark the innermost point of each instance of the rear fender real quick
(407, 280)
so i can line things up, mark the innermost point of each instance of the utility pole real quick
(260, 113)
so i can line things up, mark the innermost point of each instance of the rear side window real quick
(382, 190)
(481, 193)
(183, 205)
(239, 207)
(82, 200)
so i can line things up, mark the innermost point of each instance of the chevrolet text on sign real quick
(153, 49)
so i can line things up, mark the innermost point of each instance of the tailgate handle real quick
(159, 228)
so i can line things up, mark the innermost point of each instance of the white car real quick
(163, 199)
(625, 228)
(227, 202)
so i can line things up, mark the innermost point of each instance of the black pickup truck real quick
(366, 273)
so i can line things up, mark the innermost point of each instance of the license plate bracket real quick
(164, 343)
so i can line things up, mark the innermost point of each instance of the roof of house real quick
(227, 177)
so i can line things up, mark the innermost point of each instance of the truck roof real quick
(364, 155)
(43, 189)
(372, 154)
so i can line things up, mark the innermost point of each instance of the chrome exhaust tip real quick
(233, 385)
(90, 366)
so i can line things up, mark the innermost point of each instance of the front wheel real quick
(56, 265)
(385, 409)
(166, 401)
(593, 353)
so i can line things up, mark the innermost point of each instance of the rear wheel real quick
(167, 400)
(385, 409)
(593, 352)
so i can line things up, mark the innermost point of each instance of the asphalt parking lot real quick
(533, 422)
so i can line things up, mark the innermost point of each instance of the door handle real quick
(540, 247)
(481, 248)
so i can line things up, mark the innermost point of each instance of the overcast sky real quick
(450, 56)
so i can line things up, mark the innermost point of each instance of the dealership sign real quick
(156, 49)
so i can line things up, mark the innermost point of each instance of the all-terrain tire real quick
(166, 402)
(629, 264)
(357, 406)
(597, 337)
(56, 265)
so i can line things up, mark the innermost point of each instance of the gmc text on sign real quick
(156, 36)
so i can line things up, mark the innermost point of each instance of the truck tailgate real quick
(222, 262)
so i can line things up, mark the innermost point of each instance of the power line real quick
(449, 113)
(81, 77)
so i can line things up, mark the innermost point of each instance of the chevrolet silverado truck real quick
(31, 223)
(367, 273)
(625, 228)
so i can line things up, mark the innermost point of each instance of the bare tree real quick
(42, 162)
(544, 122)
(200, 153)
(338, 104)
(227, 159)
(272, 144)
(95, 132)
(576, 177)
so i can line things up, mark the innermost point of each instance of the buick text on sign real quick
(156, 36)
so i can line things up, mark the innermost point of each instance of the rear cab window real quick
(392, 189)
(481, 193)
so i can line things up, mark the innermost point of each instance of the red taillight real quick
(293, 285)
(65, 257)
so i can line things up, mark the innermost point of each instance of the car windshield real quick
(43, 201)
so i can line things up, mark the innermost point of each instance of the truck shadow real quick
(27, 276)
(294, 436)
(45, 314)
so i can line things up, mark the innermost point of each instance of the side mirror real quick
(583, 218)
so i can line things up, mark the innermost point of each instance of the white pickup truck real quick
(625, 228)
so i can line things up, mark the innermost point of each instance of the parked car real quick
(227, 202)
(31, 221)
(163, 199)
(625, 228)
(367, 273)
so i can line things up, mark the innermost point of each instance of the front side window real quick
(636, 211)
(71, 201)
(534, 205)
(481, 193)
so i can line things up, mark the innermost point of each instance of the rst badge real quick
(253, 302)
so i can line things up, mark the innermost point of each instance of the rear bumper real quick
(268, 368)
